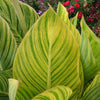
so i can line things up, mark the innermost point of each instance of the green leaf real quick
(13, 86)
(20, 16)
(48, 56)
(20, 22)
(56, 93)
(87, 58)
(94, 41)
(74, 20)
(93, 91)
(63, 14)
(24, 92)
(7, 46)
(4, 76)
(7, 54)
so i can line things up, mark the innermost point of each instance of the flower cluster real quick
(96, 29)
(93, 13)
(71, 8)
(93, 17)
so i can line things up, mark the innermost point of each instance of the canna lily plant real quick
(46, 58)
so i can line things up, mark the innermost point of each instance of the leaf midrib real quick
(49, 67)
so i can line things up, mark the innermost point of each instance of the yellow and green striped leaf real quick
(56, 93)
(4, 76)
(20, 22)
(7, 46)
(7, 54)
(24, 92)
(63, 14)
(88, 60)
(74, 20)
(93, 91)
(95, 43)
(48, 56)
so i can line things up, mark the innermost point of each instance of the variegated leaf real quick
(20, 22)
(48, 56)
(7, 46)
(95, 47)
(4, 76)
(7, 54)
(87, 58)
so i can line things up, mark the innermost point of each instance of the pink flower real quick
(97, 34)
(96, 16)
(90, 19)
(93, 30)
(91, 14)
(76, 0)
(97, 5)
(39, 12)
(70, 9)
(41, 0)
(94, 9)
(97, 27)
(77, 5)
(80, 15)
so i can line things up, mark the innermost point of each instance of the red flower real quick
(80, 15)
(41, 0)
(63, 4)
(67, 3)
(77, 5)
(76, 0)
